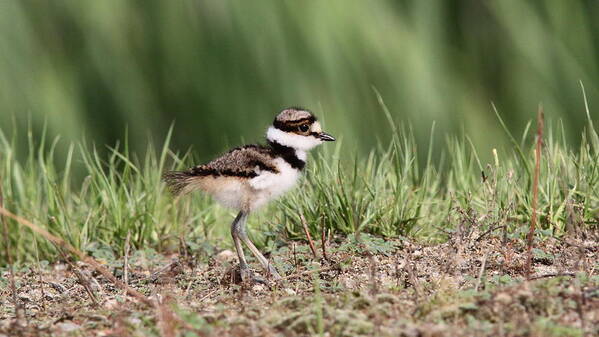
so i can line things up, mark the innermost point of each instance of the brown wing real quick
(247, 161)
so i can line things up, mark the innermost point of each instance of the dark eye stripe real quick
(288, 126)
(293, 125)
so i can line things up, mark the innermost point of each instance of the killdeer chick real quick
(248, 177)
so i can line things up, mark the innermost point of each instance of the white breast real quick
(270, 185)
(230, 192)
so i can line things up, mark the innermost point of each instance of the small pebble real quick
(68, 326)
(111, 304)
(503, 298)
(225, 256)
(258, 287)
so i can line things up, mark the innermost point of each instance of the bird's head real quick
(297, 128)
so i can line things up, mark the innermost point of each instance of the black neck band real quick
(287, 153)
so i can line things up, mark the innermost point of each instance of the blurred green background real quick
(221, 69)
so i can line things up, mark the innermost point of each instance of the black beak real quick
(326, 137)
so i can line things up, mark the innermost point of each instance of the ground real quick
(365, 286)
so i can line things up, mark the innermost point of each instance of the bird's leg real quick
(270, 269)
(237, 228)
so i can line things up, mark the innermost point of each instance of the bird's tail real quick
(178, 182)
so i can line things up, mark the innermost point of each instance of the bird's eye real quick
(303, 128)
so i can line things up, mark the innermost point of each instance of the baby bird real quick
(248, 177)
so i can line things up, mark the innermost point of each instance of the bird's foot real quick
(241, 274)
(244, 274)
(273, 273)
(248, 276)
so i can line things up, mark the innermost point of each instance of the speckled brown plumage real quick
(244, 162)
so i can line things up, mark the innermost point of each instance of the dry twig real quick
(170, 267)
(39, 274)
(411, 270)
(481, 272)
(489, 231)
(126, 259)
(82, 279)
(535, 189)
(305, 224)
(538, 277)
(294, 256)
(323, 239)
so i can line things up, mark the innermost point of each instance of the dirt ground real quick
(369, 286)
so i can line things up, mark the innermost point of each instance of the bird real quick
(248, 177)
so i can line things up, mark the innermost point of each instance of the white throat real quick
(301, 155)
(299, 143)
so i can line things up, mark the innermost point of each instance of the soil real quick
(366, 287)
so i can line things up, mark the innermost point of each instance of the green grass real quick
(387, 193)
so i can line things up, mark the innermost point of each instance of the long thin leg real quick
(236, 229)
(236, 240)
(263, 260)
